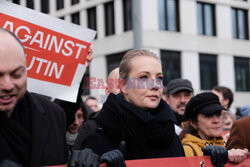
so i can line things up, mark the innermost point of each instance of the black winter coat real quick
(34, 135)
(148, 134)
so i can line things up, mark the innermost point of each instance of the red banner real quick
(180, 162)
(51, 56)
(177, 162)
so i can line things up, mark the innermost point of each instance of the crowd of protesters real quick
(133, 123)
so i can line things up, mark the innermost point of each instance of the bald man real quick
(32, 129)
(113, 82)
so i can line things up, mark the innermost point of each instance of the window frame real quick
(113, 60)
(74, 18)
(236, 35)
(45, 6)
(109, 23)
(204, 19)
(30, 4)
(170, 72)
(238, 86)
(16, 2)
(59, 4)
(127, 15)
(213, 70)
(163, 10)
(73, 2)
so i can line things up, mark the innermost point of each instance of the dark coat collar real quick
(40, 127)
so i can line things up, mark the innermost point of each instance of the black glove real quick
(9, 163)
(219, 155)
(84, 158)
(122, 148)
(115, 157)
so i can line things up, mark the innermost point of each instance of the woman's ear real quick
(123, 86)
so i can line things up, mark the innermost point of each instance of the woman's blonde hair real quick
(124, 68)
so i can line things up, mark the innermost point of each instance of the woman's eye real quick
(79, 116)
(160, 78)
(143, 77)
(208, 115)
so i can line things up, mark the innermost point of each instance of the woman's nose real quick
(157, 84)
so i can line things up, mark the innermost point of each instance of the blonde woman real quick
(137, 115)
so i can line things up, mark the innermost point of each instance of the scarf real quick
(140, 129)
(15, 135)
(71, 138)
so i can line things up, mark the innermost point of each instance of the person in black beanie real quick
(203, 133)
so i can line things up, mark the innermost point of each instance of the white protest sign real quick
(56, 50)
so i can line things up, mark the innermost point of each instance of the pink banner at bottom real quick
(202, 161)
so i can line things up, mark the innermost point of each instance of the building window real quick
(114, 60)
(240, 23)
(171, 65)
(206, 19)
(30, 4)
(16, 2)
(109, 18)
(73, 2)
(59, 4)
(208, 71)
(91, 12)
(127, 15)
(62, 18)
(169, 15)
(242, 79)
(45, 6)
(75, 18)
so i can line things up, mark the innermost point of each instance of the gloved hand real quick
(219, 155)
(84, 158)
(9, 163)
(115, 157)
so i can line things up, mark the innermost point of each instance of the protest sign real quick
(56, 50)
(198, 161)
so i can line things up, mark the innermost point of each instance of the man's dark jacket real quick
(44, 143)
